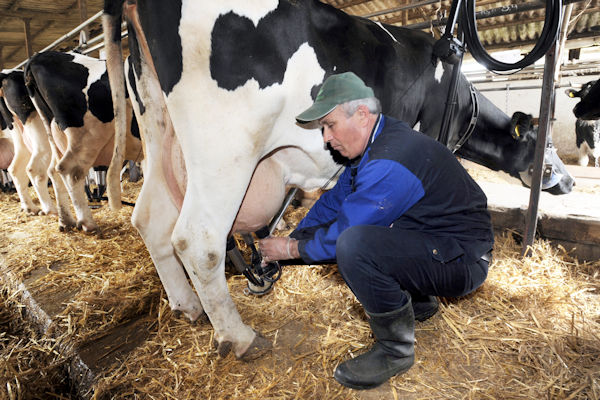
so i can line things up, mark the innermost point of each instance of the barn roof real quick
(46, 21)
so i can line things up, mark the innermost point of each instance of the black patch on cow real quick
(61, 82)
(135, 129)
(132, 81)
(16, 95)
(100, 100)
(163, 40)
(240, 51)
(3, 124)
(6, 115)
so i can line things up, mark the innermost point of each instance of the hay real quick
(530, 331)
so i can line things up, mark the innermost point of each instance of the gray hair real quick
(351, 106)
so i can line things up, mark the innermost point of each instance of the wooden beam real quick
(35, 15)
(1, 59)
(42, 29)
(27, 32)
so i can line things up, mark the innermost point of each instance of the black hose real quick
(546, 40)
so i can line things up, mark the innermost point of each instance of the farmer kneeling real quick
(405, 223)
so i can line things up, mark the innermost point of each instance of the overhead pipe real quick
(491, 13)
(66, 36)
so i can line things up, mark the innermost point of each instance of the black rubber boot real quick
(393, 352)
(424, 306)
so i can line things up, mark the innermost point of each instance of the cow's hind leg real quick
(17, 170)
(37, 169)
(65, 218)
(73, 167)
(200, 241)
(153, 204)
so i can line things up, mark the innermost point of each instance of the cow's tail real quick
(111, 23)
(36, 97)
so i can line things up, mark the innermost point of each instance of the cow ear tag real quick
(516, 132)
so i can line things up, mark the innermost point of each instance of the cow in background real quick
(7, 153)
(589, 105)
(216, 86)
(72, 95)
(587, 131)
(33, 157)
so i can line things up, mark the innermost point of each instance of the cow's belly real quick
(6, 152)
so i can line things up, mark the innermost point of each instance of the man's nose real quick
(326, 135)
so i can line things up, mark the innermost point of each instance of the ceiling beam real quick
(41, 30)
(36, 15)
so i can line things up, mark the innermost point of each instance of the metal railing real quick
(91, 45)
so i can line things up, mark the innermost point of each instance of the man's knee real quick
(350, 244)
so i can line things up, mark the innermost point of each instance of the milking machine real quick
(95, 185)
(260, 277)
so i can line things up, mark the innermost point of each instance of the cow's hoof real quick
(87, 227)
(223, 348)
(259, 347)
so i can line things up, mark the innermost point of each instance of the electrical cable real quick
(548, 37)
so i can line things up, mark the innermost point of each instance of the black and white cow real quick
(587, 131)
(7, 152)
(589, 105)
(72, 94)
(33, 157)
(222, 81)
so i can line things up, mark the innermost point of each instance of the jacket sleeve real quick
(326, 208)
(385, 189)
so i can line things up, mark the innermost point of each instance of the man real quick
(405, 222)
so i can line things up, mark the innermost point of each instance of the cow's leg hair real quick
(153, 204)
(19, 175)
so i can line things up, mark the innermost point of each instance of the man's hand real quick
(278, 248)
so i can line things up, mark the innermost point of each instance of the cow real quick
(72, 95)
(32, 158)
(588, 107)
(221, 82)
(587, 131)
(7, 153)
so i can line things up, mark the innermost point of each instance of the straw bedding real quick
(531, 331)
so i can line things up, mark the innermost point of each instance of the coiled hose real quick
(548, 37)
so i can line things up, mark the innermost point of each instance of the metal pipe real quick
(401, 8)
(494, 12)
(545, 131)
(451, 98)
(73, 32)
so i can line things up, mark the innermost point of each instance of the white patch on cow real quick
(439, 72)
(334, 68)
(94, 66)
(255, 10)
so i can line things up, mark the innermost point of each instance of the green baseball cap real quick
(336, 90)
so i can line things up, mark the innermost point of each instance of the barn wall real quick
(528, 101)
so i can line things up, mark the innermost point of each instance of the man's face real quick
(344, 134)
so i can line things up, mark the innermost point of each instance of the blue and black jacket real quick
(406, 180)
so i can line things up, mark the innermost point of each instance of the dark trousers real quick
(381, 264)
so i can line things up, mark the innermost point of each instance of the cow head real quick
(555, 177)
(589, 106)
(508, 144)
